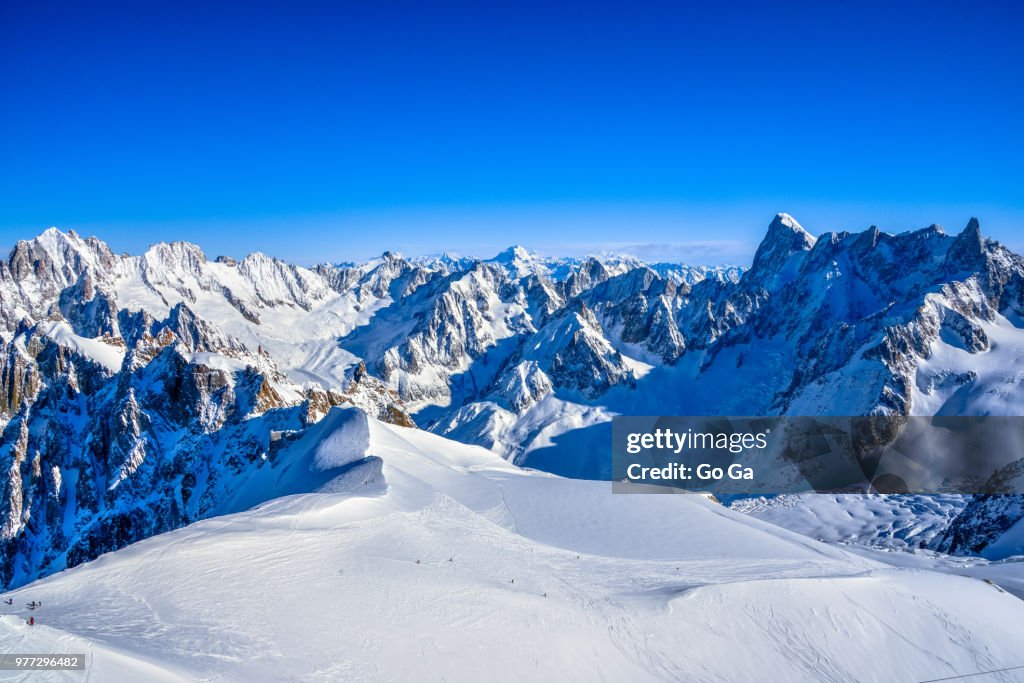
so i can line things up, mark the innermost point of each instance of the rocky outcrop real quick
(135, 389)
(980, 526)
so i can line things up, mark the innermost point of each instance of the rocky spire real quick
(784, 238)
(968, 249)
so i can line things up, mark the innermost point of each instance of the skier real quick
(9, 601)
(31, 621)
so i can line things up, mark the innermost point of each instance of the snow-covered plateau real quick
(239, 470)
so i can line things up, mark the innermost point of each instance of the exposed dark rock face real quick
(981, 524)
(135, 389)
(117, 424)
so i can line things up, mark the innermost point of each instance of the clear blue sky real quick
(337, 130)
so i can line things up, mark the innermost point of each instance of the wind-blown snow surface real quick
(444, 562)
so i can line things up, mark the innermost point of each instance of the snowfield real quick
(890, 522)
(433, 560)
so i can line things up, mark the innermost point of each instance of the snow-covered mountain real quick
(137, 392)
(402, 555)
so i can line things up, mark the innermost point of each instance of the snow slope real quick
(409, 556)
(891, 522)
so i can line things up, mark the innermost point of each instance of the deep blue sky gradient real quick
(331, 131)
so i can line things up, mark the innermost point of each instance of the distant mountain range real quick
(138, 393)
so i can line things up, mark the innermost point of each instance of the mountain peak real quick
(52, 231)
(54, 236)
(785, 237)
(784, 220)
(970, 240)
(785, 226)
(968, 249)
(520, 262)
(973, 228)
(513, 253)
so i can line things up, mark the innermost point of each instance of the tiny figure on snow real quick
(31, 621)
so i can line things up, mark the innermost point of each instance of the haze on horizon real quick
(331, 132)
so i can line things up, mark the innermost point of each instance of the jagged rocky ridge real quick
(135, 389)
